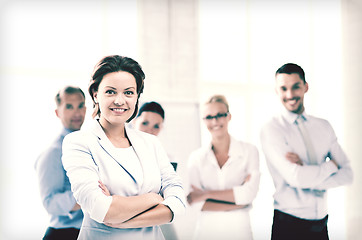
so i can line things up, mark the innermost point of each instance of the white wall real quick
(352, 109)
(188, 54)
(45, 45)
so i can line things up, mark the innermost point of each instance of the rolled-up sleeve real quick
(83, 176)
(247, 192)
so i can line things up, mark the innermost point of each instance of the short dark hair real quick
(152, 107)
(67, 90)
(290, 68)
(116, 63)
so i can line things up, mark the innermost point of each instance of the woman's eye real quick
(110, 92)
(156, 126)
(144, 123)
(129, 93)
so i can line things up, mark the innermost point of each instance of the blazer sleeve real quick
(83, 175)
(171, 184)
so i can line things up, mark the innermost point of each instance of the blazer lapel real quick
(108, 147)
(146, 157)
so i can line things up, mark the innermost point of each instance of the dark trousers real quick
(61, 234)
(287, 227)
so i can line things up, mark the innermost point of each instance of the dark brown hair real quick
(115, 63)
(290, 68)
(152, 107)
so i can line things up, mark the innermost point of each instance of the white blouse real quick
(204, 171)
(133, 162)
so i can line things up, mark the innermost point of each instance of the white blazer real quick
(89, 156)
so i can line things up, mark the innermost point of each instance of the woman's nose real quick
(119, 100)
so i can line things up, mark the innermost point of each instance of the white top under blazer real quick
(89, 156)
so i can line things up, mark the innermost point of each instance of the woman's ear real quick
(95, 97)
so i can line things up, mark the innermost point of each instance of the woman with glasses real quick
(224, 178)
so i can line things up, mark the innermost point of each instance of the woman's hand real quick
(197, 195)
(156, 215)
(104, 188)
(247, 179)
(294, 158)
(116, 225)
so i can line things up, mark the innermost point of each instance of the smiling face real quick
(117, 97)
(291, 89)
(149, 122)
(71, 110)
(215, 118)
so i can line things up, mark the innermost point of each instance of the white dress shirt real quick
(205, 173)
(300, 190)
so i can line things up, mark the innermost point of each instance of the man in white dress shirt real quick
(304, 159)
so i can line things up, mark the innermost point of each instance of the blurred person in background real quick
(224, 178)
(65, 214)
(150, 119)
(304, 159)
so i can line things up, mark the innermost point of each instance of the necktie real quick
(310, 150)
(308, 144)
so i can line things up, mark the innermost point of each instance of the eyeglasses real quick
(217, 116)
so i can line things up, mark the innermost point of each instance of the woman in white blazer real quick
(145, 190)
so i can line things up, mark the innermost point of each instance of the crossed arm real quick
(145, 210)
(294, 158)
(282, 158)
(215, 200)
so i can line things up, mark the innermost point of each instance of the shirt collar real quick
(65, 131)
(291, 117)
(234, 149)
